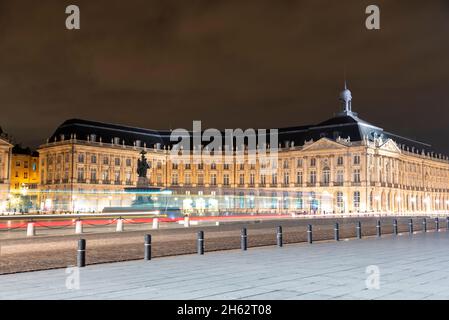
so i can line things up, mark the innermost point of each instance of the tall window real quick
(252, 179)
(274, 178)
(339, 161)
(356, 175)
(299, 163)
(80, 174)
(93, 159)
(340, 203)
(105, 160)
(326, 175)
(340, 176)
(357, 159)
(286, 177)
(213, 166)
(299, 201)
(356, 199)
(263, 179)
(299, 177)
(117, 161)
(213, 179)
(187, 178)
(313, 162)
(312, 176)
(128, 162)
(174, 179)
(226, 179)
(81, 157)
(242, 179)
(200, 179)
(93, 175)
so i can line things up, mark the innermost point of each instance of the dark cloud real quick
(260, 64)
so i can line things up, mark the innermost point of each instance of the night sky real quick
(248, 64)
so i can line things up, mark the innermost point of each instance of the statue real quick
(142, 165)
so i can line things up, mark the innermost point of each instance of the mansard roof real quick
(342, 126)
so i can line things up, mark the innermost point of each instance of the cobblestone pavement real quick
(410, 267)
(46, 252)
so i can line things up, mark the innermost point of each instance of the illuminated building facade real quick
(5, 162)
(24, 177)
(343, 164)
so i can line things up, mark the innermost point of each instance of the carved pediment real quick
(391, 146)
(324, 144)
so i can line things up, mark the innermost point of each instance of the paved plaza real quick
(414, 267)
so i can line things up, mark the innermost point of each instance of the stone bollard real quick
(243, 239)
(309, 233)
(337, 232)
(186, 221)
(424, 225)
(78, 227)
(147, 247)
(447, 223)
(378, 229)
(155, 223)
(200, 242)
(437, 224)
(279, 239)
(30, 229)
(358, 229)
(395, 227)
(119, 225)
(81, 253)
(410, 226)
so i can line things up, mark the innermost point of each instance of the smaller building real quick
(24, 179)
(5, 162)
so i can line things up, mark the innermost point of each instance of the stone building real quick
(343, 164)
(5, 163)
(24, 178)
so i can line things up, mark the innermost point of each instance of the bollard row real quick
(81, 251)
